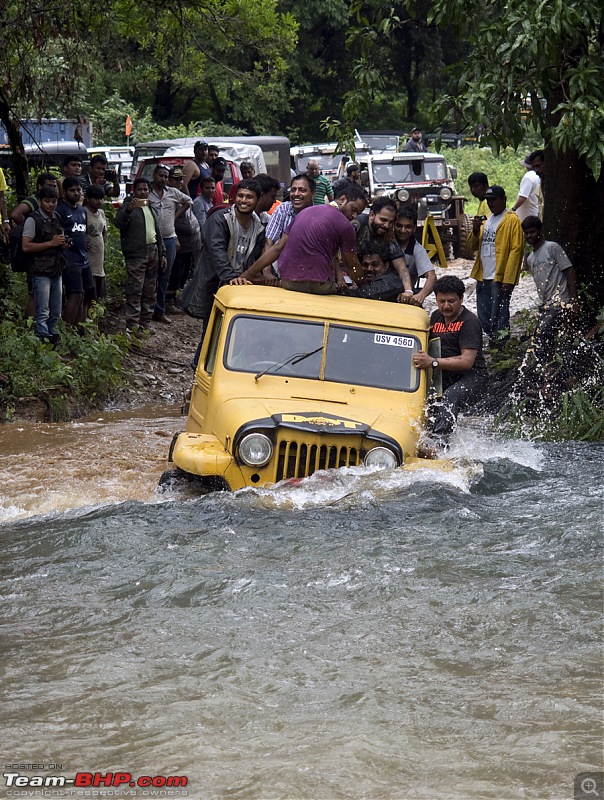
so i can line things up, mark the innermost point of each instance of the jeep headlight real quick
(255, 449)
(446, 193)
(379, 192)
(381, 457)
(403, 195)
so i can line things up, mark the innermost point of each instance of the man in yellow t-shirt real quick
(479, 183)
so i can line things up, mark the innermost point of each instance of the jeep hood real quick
(317, 416)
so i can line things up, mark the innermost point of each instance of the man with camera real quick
(99, 175)
(144, 252)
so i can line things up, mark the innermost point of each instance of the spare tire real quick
(461, 249)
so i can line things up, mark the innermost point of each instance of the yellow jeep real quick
(291, 383)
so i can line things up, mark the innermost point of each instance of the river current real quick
(357, 635)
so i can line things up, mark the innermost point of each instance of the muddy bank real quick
(158, 372)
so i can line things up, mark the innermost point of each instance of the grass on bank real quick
(82, 372)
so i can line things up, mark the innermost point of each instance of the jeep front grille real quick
(301, 459)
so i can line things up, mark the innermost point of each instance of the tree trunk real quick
(163, 100)
(216, 102)
(15, 140)
(412, 100)
(574, 216)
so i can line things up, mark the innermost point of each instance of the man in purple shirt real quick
(308, 247)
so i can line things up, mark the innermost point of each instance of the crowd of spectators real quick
(182, 236)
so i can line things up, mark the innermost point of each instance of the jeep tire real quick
(461, 248)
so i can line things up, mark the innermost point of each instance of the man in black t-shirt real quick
(462, 362)
(77, 275)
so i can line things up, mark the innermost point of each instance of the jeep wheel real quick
(460, 246)
(175, 477)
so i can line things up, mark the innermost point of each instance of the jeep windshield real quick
(294, 348)
(327, 162)
(412, 171)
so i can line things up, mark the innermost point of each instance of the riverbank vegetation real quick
(82, 372)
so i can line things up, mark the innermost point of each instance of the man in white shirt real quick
(527, 202)
(499, 246)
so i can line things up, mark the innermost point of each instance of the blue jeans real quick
(484, 302)
(48, 295)
(500, 310)
(492, 307)
(163, 278)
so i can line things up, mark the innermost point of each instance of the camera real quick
(482, 218)
(68, 240)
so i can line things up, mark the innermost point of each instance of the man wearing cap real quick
(219, 166)
(415, 144)
(353, 173)
(527, 202)
(195, 170)
(499, 243)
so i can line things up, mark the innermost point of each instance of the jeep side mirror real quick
(453, 173)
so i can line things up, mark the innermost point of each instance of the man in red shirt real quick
(219, 166)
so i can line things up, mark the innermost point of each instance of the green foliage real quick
(81, 372)
(109, 119)
(578, 415)
(31, 367)
(85, 369)
(503, 169)
(523, 54)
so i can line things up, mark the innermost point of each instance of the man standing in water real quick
(556, 284)
(464, 370)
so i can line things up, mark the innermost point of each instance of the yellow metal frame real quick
(435, 247)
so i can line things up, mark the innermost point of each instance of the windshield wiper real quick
(293, 359)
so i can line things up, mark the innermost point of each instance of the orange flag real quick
(128, 125)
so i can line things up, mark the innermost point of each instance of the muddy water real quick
(107, 458)
(358, 635)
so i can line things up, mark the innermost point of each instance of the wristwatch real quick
(435, 364)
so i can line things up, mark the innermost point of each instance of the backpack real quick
(19, 261)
